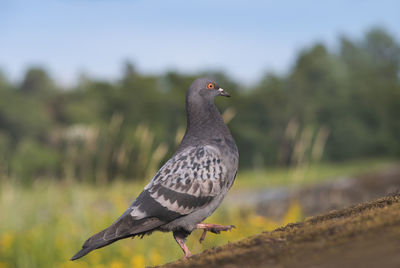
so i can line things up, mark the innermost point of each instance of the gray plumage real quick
(189, 186)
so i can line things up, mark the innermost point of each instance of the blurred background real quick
(92, 103)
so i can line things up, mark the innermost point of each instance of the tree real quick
(36, 80)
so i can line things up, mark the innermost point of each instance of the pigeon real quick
(190, 185)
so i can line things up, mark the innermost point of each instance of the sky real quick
(245, 39)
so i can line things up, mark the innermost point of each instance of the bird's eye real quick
(210, 86)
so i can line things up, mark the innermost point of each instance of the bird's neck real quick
(203, 120)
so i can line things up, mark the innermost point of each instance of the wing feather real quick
(187, 182)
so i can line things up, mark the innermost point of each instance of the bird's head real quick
(205, 88)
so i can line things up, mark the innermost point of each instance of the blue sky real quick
(243, 38)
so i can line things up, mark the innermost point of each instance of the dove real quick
(190, 186)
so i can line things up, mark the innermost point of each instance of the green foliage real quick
(36, 80)
(32, 159)
(332, 105)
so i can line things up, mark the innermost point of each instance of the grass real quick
(45, 224)
(297, 176)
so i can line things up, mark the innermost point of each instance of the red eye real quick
(210, 86)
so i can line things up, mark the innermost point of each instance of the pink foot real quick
(181, 239)
(214, 228)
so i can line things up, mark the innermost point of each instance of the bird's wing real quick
(187, 182)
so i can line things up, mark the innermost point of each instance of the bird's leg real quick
(180, 238)
(213, 228)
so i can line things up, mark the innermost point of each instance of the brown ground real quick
(366, 235)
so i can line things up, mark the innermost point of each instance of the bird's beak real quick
(223, 93)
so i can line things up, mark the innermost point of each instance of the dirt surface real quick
(365, 235)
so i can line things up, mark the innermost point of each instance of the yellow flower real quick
(117, 264)
(156, 258)
(293, 214)
(6, 240)
(137, 261)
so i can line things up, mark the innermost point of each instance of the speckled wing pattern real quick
(188, 181)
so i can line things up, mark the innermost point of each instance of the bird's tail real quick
(96, 241)
(124, 227)
(81, 253)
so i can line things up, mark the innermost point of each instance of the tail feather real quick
(81, 253)
(96, 241)
(124, 227)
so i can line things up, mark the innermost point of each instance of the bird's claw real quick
(203, 236)
(216, 229)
